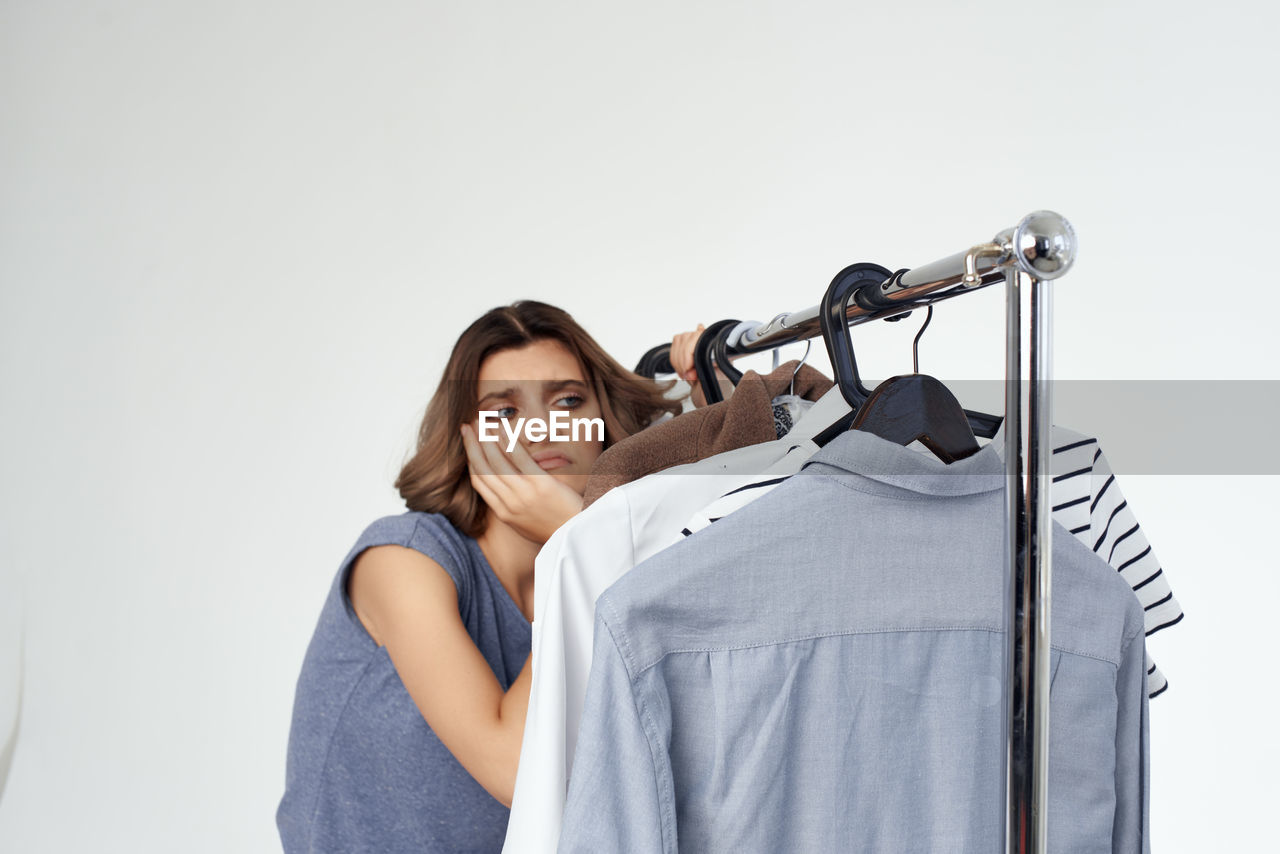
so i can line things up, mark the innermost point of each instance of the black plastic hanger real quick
(835, 334)
(835, 326)
(857, 283)
(656, 360)
(702, 359)
(720, 354)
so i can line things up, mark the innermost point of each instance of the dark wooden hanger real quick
(918, 407)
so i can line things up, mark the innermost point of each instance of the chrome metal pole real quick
(1039, 556)
(1015, 797)
(1044, 246)
(795, 326)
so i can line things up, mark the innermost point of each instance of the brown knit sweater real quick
(746, 418)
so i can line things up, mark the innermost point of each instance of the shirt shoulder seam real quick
(639, 670)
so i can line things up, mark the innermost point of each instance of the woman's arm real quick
(409, 604)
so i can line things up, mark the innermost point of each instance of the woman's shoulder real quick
(408, 528)
(430, 534)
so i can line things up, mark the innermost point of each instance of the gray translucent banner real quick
(1161, 426)
(1156, 427)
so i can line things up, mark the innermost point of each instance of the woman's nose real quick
(539, 435)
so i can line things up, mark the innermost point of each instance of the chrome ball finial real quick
(1044, 245)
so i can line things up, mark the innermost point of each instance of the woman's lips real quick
(549, 460)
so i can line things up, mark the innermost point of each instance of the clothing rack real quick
(1040, 248)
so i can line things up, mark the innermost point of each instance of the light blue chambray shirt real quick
(821, 671)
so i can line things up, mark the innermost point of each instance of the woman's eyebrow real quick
(503, 394)
(554, 386)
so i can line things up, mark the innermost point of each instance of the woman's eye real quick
(570, 401)
(506, 411)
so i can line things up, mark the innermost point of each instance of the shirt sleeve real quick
(538, 800)
(1132, 829)
(619, 794)
(575, 566)
(1119, 540)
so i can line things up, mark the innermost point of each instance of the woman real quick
(410, 707)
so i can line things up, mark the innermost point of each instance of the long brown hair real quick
(435, 479)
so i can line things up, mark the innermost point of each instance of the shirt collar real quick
(880, 461)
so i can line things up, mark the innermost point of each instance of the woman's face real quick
(532, 382)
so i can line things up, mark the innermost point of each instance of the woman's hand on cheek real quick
(517, 490)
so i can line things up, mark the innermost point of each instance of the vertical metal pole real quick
(1029, 524)
(1016, 798)
(1044, 247)
(1039, 554)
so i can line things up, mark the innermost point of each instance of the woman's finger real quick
(522, 460)
(681, 353)
(682, 347)
(477, 461)
(480, 483)
(496, 458)
(489, 484)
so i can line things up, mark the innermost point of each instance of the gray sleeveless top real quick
(364, 770)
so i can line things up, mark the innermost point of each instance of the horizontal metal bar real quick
(1042, 245)
(802, 325)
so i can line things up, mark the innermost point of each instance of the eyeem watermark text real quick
(561, 428)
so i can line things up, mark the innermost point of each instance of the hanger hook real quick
(915, 345)
(807, 344)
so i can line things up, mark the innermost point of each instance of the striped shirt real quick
(1087, 501)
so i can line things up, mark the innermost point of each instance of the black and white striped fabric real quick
(1087, 501)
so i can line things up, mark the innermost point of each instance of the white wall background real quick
(237, 240)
